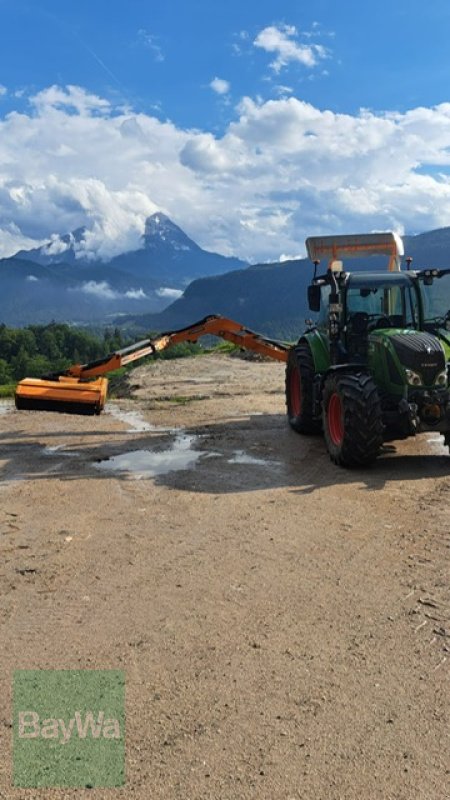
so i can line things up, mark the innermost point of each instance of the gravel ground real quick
(283, 624)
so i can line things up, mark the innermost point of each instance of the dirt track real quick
(284, 625)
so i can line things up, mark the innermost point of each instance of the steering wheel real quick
(383, 322)
(358, 322)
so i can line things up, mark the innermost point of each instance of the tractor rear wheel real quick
(352, 419)
(299, 390)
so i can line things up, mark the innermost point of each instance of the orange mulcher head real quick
(66, 394)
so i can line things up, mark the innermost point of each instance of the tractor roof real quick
(362, 279)
(356, 245)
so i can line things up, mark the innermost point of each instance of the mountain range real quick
(143, 289)
(56, 282)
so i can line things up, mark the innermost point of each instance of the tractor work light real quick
(413, 378)
(441, 379)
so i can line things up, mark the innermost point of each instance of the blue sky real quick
(384, 55)
(248, 123)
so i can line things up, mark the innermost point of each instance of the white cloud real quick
(3, 90)
(240, 44)
(100, 289)
(56, 246)
(283, 91)
(12, 238)
(283, 42)
(282, 170)
(151, 42)
(104, 291)
(71, 98)
(174, 294)
(135, 294)
(32, 278)
(220, 86)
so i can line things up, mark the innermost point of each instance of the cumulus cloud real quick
(136, 294)
(284, 43)
(220, 86)
(3, 90)
(103, 291)
(71, 98)
(165, 291)
(282, 170)
(100, 289)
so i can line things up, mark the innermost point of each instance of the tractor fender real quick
(333, 369)
(318, 344)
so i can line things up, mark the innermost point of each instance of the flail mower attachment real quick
(81, 389)
(66, 394)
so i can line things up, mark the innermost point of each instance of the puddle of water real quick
(241, 457)
(50, 450)
(436, 442)
(149, 464)
(134, 419)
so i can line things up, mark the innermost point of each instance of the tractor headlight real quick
(413, 378)
(441, 379)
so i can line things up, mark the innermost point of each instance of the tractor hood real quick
(416, 350)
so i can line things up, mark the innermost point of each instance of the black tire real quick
(352, 419)
(299, 390)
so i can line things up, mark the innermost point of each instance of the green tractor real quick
(374, 366)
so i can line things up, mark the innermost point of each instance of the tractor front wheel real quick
(352, 419)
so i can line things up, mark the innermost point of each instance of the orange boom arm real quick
(73, 390)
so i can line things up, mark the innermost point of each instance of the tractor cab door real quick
(360, 305)
(322, 319)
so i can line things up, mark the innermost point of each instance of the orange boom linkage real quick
(81, 389)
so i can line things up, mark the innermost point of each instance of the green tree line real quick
(40, 349)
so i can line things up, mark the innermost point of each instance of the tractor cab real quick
(354, 305)
(367, 302)
(351, 305)
(375, 302)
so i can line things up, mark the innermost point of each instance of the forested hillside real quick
(38, 349)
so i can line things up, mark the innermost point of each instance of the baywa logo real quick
(69, 728)
(30, 727)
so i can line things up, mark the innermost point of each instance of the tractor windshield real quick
(436, 301)
(379, 301)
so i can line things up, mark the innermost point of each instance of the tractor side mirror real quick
(314, 297)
